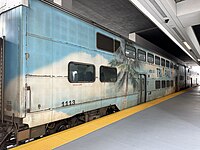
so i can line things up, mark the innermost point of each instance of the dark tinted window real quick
(168, 83)
(162, 62)
(79, 72)
(167, 63)
(172, 83)
(117, 44)
(175, 67)
(130, 51)
(108, 74)
(150, 58)
(105, 43)
(171, 65)
(181, 77)
(157, 60)
(157, 84)
(141, 55)
(163, 84)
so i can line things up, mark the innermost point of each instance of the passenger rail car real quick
(59, 70)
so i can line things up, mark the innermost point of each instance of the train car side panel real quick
(14, 91)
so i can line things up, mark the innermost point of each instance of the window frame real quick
(134, 50)
(150, 54)
(116, 41)
(156, 84)
(159, 60)
(175, 67)
(139, 51)
(98, 45)
(163, 84)
(168, 83)
(81, 63)
(171, 65)
(163, 65)
(167, 64)
(100, 79)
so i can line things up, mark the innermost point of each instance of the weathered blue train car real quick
(60, 69)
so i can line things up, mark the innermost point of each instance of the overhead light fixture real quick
(187, 45)
(155, 4)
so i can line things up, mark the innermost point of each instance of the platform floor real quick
(171, 125)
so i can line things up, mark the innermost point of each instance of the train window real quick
(177, 67)
(105, 43)
(167, 63)
(162, 62)
(108, 74)
(172, 83)
(157, 60)
(117, 44)
(150, 58)
(168, 83)
(171, 65)
(130, 51)
(141, 55)
(80, 72)
(181, 77)
(163, 84)
(157, 84)
(174, 66)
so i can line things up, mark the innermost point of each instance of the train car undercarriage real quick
(13, 134)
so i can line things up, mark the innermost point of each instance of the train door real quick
(39, 78)
(142, 89)
(176, 84)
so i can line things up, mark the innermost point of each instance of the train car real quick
(59, 69)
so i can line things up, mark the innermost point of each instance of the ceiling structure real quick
(117, 15)
(166, 24)
(176, 19)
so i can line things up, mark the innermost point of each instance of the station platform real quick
(168, 123)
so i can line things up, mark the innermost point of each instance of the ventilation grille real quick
(178, 33)
(158, 8)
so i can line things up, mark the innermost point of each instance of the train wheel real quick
(50, 128)
(62, 125)
(61, 128)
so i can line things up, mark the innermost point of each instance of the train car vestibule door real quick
(142, 88)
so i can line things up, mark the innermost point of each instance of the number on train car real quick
(72, 102)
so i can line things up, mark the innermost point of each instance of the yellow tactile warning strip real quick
(58, 139)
